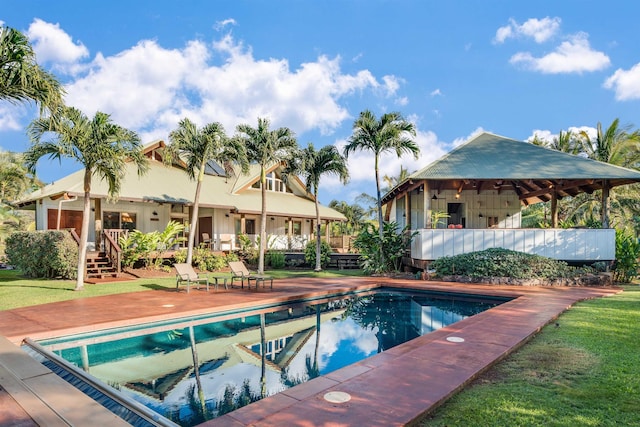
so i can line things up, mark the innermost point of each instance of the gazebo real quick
(480, 187)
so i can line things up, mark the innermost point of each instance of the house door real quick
(205, 225)
(68, 219)
(456, 214)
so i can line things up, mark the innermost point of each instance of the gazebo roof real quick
(490, 161)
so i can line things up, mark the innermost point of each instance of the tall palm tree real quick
(615, 145)
(21, 78)
(354, 213)
(197, 147)
(100, 145)
(266, 148)
(311, 165)
(391, 133)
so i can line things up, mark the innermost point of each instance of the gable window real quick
(119, 220)
(273, 183)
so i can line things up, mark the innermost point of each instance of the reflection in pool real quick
(246, 356)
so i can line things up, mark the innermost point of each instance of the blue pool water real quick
(243, 357)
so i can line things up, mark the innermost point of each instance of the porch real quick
(571, 245)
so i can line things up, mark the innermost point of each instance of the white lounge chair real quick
(186, 273)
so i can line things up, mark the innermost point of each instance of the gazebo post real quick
(554, 208)
(606, 203)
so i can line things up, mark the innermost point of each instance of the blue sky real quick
(454, 68)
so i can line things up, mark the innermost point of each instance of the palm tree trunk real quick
(84, 232)
(263, 223)
(194, 219)
(379, 205)
(318, 238)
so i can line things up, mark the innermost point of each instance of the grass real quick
(584, 372)
(16, 291)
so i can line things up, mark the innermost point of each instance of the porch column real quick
(606, 203)
(243, 224)
(407, 213)
(554, 208)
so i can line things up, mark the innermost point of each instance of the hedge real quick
(43, 254)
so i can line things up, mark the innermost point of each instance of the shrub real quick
(310, 254)
(498, 262)
(627, 253)
(206, 260)
(46, 254)
(275, 259)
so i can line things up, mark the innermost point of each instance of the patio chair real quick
(240, 271)
(206, 239)
(186, 273)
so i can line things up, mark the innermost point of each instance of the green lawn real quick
(16, 291)
(586, 372)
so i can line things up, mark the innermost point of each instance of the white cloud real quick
(149, 88)
(10, 115)
(402, 101)
(625, 83)
(462, 140)
(220, 25)
(540, 30)
(572, 56)
(436, 92)
(52, 44)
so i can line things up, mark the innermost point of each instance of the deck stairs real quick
(99, 266)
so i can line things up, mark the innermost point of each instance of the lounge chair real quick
(186, 273)
(240, 271)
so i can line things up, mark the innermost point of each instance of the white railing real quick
(565, 244)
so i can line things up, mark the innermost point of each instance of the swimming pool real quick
(244, 356)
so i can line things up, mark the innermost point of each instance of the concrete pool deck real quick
(392, 388)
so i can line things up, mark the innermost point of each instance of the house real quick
(229, 206)
(470, 200)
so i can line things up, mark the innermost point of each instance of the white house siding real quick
(563, 244)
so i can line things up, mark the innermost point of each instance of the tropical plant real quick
(616, 145)
(312, 164)
(197, 147)
(393, 243)
(100, 146)
(23, 80)
(438, 217)
(627, 254)
(391, 133)
(269, 149)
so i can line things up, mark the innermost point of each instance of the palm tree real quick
(392, 181)
(266, 148)
(22, 78)
(617, 146)
(391, 133)
(101, 146)
(312, 164)
(197, 147)
(15, 179)
(354, 213)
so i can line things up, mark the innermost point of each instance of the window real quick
(273, 183)
(119, 220)
(296, 227)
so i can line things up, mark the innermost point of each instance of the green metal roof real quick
(490, 161)
(489, 156)
(169, 184)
